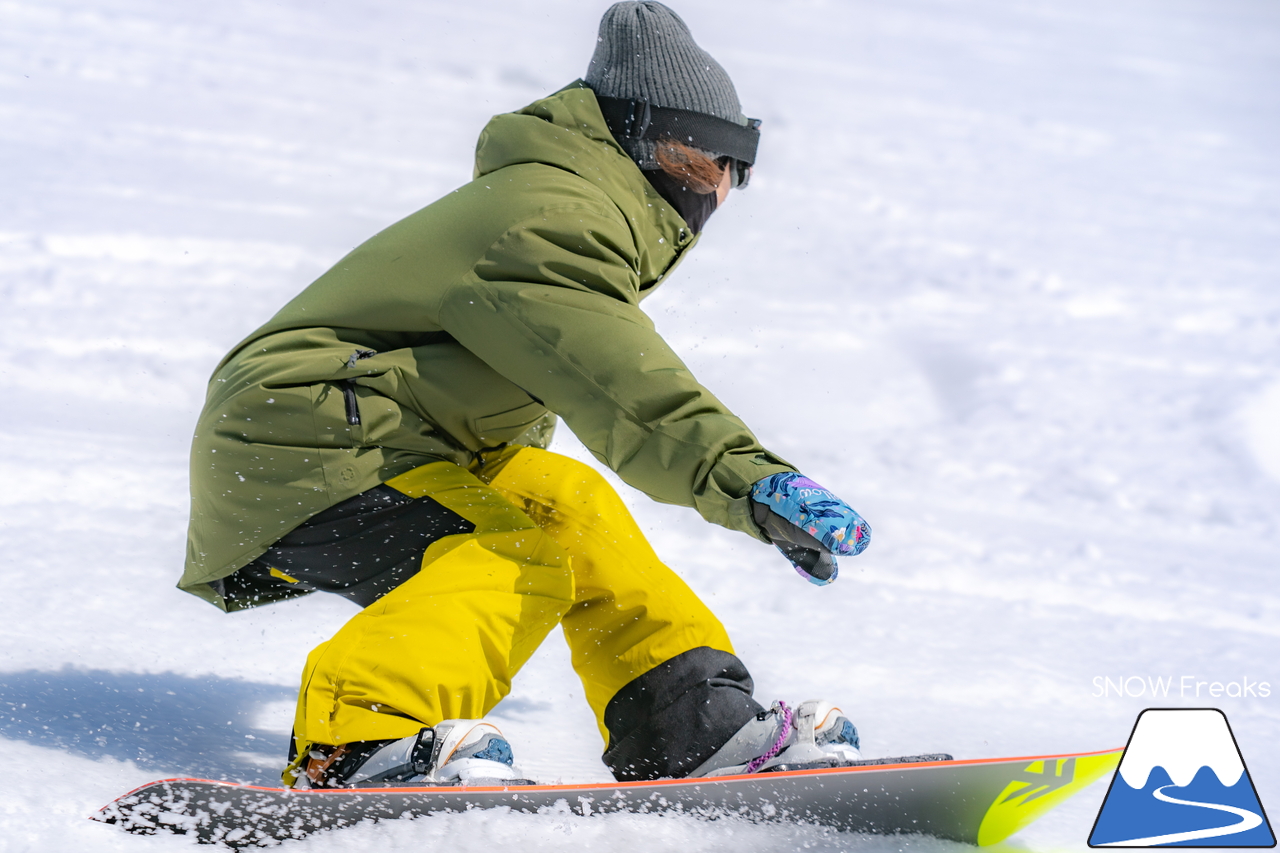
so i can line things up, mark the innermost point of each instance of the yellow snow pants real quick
(553, 544)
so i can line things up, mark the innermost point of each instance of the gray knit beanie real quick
(646, 52)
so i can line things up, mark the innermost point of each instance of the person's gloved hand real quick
(808, 524)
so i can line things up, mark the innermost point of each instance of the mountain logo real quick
(1182, 783)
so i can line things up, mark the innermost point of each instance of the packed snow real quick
(1005, 279)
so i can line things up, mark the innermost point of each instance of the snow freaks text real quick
(1185, 687)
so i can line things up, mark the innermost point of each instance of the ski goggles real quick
(742, 168)
(637, 119)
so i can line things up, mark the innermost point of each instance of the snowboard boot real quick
(455, 752)
(815, 734)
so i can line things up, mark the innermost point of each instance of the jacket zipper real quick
(349, 397)
(349, 387)
(357, 356)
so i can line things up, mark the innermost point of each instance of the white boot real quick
(454, 752)
(816, 733)
(470, 750)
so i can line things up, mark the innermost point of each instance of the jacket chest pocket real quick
(503, 427)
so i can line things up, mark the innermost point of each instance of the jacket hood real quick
(567, 130)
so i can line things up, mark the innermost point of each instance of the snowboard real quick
(980, 801)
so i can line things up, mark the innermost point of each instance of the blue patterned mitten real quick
(808, 524)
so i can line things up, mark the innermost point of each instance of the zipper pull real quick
(357, 355)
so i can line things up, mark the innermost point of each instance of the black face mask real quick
(695, 208)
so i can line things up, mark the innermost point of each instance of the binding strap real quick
(634, 119)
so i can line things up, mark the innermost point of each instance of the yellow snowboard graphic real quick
(1041, 786)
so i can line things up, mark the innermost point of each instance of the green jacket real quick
(465, 327)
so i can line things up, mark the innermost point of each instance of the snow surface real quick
(1006, 279)
(1181, 741)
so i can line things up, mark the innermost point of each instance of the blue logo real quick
(1182, 783)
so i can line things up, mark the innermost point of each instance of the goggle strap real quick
(630, 118)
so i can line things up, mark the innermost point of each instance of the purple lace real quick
(756, 763)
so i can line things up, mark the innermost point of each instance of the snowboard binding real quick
(454, 752)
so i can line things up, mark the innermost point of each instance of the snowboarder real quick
(383, 437)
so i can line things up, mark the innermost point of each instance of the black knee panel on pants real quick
(360, 549)
(674, 717)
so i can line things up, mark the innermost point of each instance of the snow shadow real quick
(168, 723)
